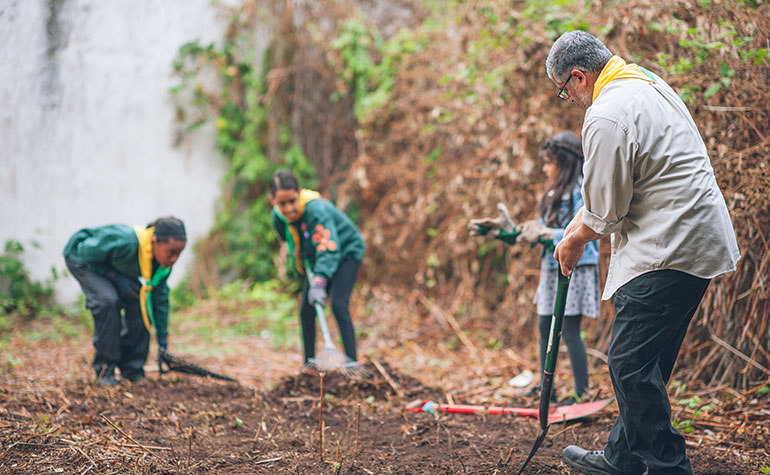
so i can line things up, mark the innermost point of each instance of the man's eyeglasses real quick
(563, 94)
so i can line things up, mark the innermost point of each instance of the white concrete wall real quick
(86, 123)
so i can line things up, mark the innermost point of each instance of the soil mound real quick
(340, 385)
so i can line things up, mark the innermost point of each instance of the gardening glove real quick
(317, 291)
(485, 226)
(163, 347)
(533, 231)
(493, 226)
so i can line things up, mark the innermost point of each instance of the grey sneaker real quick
(107, 381)
(589, 462)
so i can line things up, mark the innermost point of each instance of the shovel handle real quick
(319, 308)
(552, 351)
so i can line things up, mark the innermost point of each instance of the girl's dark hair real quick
(283, 180)
(566, 151)
(169, 228)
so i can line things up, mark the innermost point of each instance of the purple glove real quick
(317, 292)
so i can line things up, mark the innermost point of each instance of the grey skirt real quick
(583, 294)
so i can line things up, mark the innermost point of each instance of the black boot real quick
(105, 376)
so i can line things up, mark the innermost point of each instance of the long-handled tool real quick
(503, 228)
(558, 415)
(330, 358)
(550, 362)
(181, 365)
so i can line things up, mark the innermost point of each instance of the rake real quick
(330, 358)
(181, 365)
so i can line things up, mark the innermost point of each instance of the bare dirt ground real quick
(53, 420)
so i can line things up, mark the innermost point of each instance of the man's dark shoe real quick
(589, 462)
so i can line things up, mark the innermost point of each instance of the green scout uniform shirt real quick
(115, 247)
(327, 236)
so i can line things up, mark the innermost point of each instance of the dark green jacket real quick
(115, 247)
(327, 236)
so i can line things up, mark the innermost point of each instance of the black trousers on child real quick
(570, 335)
(340, 286)
(120, 337)
(653, 313)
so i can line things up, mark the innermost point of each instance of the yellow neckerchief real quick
(616, 68)
(292, 238)
(144, 236)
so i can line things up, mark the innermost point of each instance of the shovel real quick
(558, 415)
(549, 368)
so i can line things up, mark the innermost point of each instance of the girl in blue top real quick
(562, 157)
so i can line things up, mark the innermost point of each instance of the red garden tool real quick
(558, 415)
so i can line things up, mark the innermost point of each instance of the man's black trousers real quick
(653, 313)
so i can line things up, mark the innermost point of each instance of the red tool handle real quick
(557, 415)
(419, 406)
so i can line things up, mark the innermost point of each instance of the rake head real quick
(330, 359)
(181, 365)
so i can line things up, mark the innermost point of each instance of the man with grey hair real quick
(649, 184)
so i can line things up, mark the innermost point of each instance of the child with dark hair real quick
(316, 230)
(562, 157)
(108, 262)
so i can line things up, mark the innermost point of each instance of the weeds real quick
(19, 294)
(367, 64)
(236, 100)
(698, 409)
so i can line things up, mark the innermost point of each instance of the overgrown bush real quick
(19, 294)
(238, 100)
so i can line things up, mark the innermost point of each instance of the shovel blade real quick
(577, 411)
(537, 444)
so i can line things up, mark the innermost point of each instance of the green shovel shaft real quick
(556, 322)
(552, 351)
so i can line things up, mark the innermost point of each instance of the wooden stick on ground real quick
(339, 459)
(256, 436)
(358, 421)
(320, 418)
(127, 436)
(93, 464)
(387, 377)
(452, 323)
(738, 353)
(189, 447)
